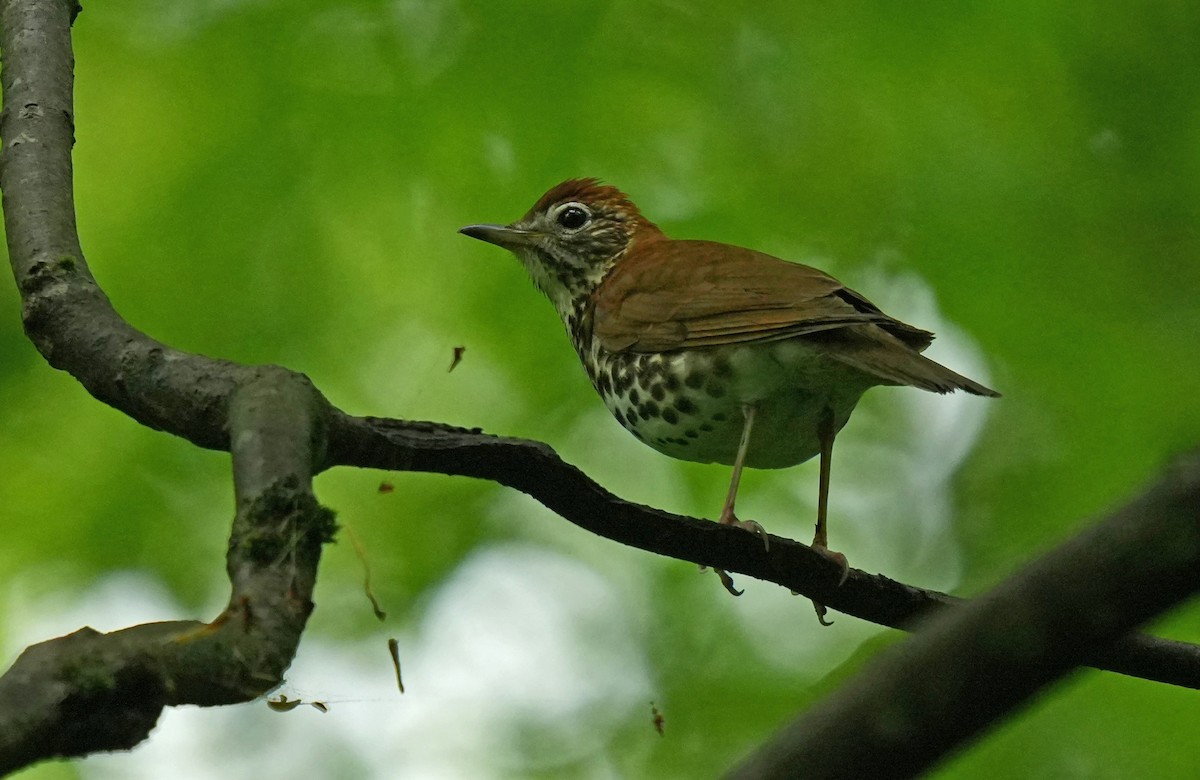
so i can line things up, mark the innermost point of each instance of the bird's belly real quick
(784, 432)
(691, 406)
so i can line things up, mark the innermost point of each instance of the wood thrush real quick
(710, 352)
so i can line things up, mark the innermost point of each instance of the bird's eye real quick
(573, 217)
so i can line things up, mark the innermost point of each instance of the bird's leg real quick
(825, 437)
(727, 516)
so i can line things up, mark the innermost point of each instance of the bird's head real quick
(571, 237)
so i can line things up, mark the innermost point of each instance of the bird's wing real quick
(671, 294)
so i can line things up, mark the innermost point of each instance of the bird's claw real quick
(834, 557)
(752, 526)
(727, 582)
(821, 613)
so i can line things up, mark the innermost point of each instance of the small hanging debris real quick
(284, 704)
(394, 649)
(362, 558)
(657, 719)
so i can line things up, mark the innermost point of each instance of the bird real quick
(711, 352)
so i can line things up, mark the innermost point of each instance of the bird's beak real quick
(501, 235)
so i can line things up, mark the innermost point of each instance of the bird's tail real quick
(884, 356)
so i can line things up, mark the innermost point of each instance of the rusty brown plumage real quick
(678, 294)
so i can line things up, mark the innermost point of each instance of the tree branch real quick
(89, 691)
(966, 668)
(534, 468)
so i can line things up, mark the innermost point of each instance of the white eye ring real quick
(572, 216)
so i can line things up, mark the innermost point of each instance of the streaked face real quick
(570, 238)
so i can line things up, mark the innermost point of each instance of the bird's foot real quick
(836, 557)
(728, 518)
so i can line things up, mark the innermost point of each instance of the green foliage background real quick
(282, 182)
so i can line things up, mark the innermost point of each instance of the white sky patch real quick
(35, 610)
